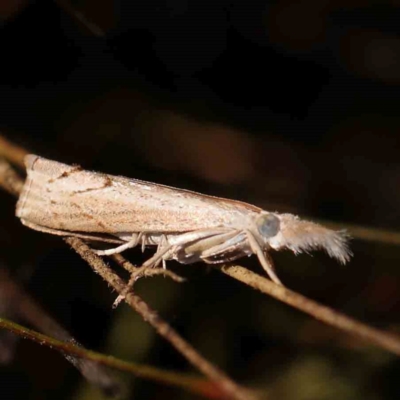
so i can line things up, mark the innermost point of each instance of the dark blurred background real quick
(289, 105)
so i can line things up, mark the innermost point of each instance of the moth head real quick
(304, 236)
(267, 225)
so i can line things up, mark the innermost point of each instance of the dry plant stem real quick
(139, 272)
(124, 263)
(26, 308)
(9, 179)
(318, 311)
(192, 384)
(128, 266)
(91, 364)
(12, 152)
(374, 235)
(165, 272)
(135, 275)
(162, 327)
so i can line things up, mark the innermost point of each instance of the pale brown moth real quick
(184, 226)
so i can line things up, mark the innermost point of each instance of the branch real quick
(12, 152)
(369, 234)
(192, 384)
(128, 266)
(311, 307)
(18, 304)
(9, 179)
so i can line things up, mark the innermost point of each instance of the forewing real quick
(65, 197)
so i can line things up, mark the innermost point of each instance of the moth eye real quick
(268, 225)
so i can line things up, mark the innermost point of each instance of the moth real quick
(183, 225)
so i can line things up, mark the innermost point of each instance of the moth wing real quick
(68, 198)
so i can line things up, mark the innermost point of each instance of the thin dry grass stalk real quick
(190, 383)
(13, 153)
(9, 179)
(21, 306)
(311, 307)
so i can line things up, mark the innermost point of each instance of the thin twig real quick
(12, 152)
(190, 383)
(124, 263)
(128, 266)
(139, 272)
(25, 307)
(9, 179)
(370, 234)
(318, 311)
(161, 326)
(91, 364)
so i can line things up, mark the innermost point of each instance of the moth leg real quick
(198, 248)
(143, 247)
(158, 256)
(165, 251)
(133, 242)
(225, 248)
(151, 262)
(265, 260)
(163, 242)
